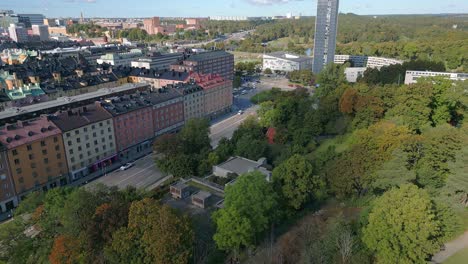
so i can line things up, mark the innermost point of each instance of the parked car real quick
(126, 166)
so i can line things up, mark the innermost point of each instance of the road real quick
(146, 175)
(451, 248)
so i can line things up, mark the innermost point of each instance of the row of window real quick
(78, 140)
(30, 147)
(85, 129)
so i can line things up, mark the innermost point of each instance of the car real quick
(240, 112)
(126, 166)
(257, 81)
(243, 92)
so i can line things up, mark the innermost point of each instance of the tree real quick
(402, 226)
(65, 250)
(249, 208)
(296, 182)
(267, 71)
(237, 82)
(155, 234)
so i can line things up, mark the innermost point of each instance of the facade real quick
(194, 99)
(217, 92)
(120, 59)
(34, 19)
(326, 27)
(150, 25)
(179, 191)
(36, 155)
(158, 62)
(213, 62)
(168, 110)
(159, 79)
(366, 61)
(8, 199)
(59, 31)
(42, 31)
(133, 124)
(353, 73)
(201, 198)
(89, 140)
(18, 34)
(413, 76)
(282, 61)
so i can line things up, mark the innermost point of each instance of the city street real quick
(145, 174)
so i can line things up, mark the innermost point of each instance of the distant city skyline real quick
(206, 8)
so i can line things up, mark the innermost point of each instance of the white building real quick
(159, 62)
(413, 76)
(353, 73)
(18, 34)
(366, 61)
(282, 61)
(120, 59)
(42, 31)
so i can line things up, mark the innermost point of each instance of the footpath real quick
(451, 248)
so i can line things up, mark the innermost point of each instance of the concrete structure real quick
(326, 27)
(283, 61)
(8, 199)
(366, 61)
(200, 199)
(34, 19)
(168, 110)
(158, 61)
(42, 31)
(89, 139)
(194, 99)
(35, 155)
(238, 166)
(120, 59)
(352, 74)
(179, 191)
(50, 22)
(159, 79)
(60, 31)
(133, 124)
(18, 34)
(413, 76)
(217, 92)
(214, 62)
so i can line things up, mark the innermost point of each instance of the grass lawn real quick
(246, 56)
(460, 258)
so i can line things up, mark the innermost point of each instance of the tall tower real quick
(326, 26)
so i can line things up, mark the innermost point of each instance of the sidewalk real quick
(451, 248)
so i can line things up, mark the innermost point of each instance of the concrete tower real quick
(326, 26)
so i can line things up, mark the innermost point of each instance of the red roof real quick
(207, 81)
(270, 134)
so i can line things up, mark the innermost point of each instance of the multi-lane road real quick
(146, 175)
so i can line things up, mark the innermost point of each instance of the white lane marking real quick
(132, 175)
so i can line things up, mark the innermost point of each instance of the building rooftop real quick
(239, 165)
(209, 55)
(202, 195)
(120, 105)
(24, 132)
(289, 56)
(162, 95)
(73, 119)
(186, 88)
(180, 185)
(164, 75)
(207, 81)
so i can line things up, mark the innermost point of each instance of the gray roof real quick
(283, 55)
(180, 185)
(209, 55)
(239, 165)
(73, 119)
(202, 195)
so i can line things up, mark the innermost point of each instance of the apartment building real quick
(194, 99)
(158, 79)
(36, 155)
(133, 124)
(89, 140)
(8, 198)
(120, 59)
(168, 110)
(213, 62)
(366, 61)
(42, 31)
(283, 61)
(217, 93)
(158, 61)
(412, 77)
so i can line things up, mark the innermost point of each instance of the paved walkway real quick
(451, 248)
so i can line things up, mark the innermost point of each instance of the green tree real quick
(296, 182)
(402, 226)
(249, 208)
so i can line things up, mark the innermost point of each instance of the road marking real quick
(132, 175)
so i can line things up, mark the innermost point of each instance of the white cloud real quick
(270, 2)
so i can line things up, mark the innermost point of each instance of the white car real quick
(240, 112)
(126, 166)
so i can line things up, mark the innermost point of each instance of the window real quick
(77, 132)
(68, 134)
(102, 132)
(87, 145)
(17, 161)
(34, 174)
(81, 156)
(78, 140)
(96, 149)
(31, 156)
(108, 122)
(44, 152)
(55, 139)
(15, 152)
(72, 159)
(59, 156)
(69, 143)
(29, 147)
(18, 170)
(79, 148)
(110, 137)
(100, 124)
(86, 137)
(33, 165)
(94, 134)
(21, 180)
(43, 144)
(95, 142)
(93, 127)
(46, 160)
(85, 129)
(57, 147)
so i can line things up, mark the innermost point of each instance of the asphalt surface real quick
(144, 174)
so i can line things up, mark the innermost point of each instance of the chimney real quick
(19, 123)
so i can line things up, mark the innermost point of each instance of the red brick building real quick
(168, 110)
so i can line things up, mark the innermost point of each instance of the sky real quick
(205, 8)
